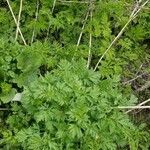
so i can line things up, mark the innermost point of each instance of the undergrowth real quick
(72, 62)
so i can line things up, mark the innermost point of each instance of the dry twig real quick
(139, 105)
(140, 7)
(83, 26)
(36, 18)
(2, 109)
(90, 38)
(134, 13)
(54, 3)
(144, 87)
(139, 69)
(16, 22)
(133, 107)
(89, 55)
(139, 76)
(80, 2)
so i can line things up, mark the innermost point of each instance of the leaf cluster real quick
(71, 108)
(66, 105)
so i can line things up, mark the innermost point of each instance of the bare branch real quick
(148, 100)
(133, 107)
(134, 13)
(16, 22)
(140, 7)
(3, 109)
(89, 55)
(54, 3)
(144, 87)
(80, 2)
(83, 26)
(139, 105)
(113, 42)
(139, 76)
(139, 69)
(36, 18)
(90, 38)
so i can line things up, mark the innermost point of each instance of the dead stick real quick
(16, 22)
(132, 16)
(139, 105)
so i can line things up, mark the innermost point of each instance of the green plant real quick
(66, 104)
(72, 108)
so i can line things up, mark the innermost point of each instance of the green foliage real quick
(71, 108)
(64, 104)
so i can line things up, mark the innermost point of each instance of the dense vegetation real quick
(81, 67)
